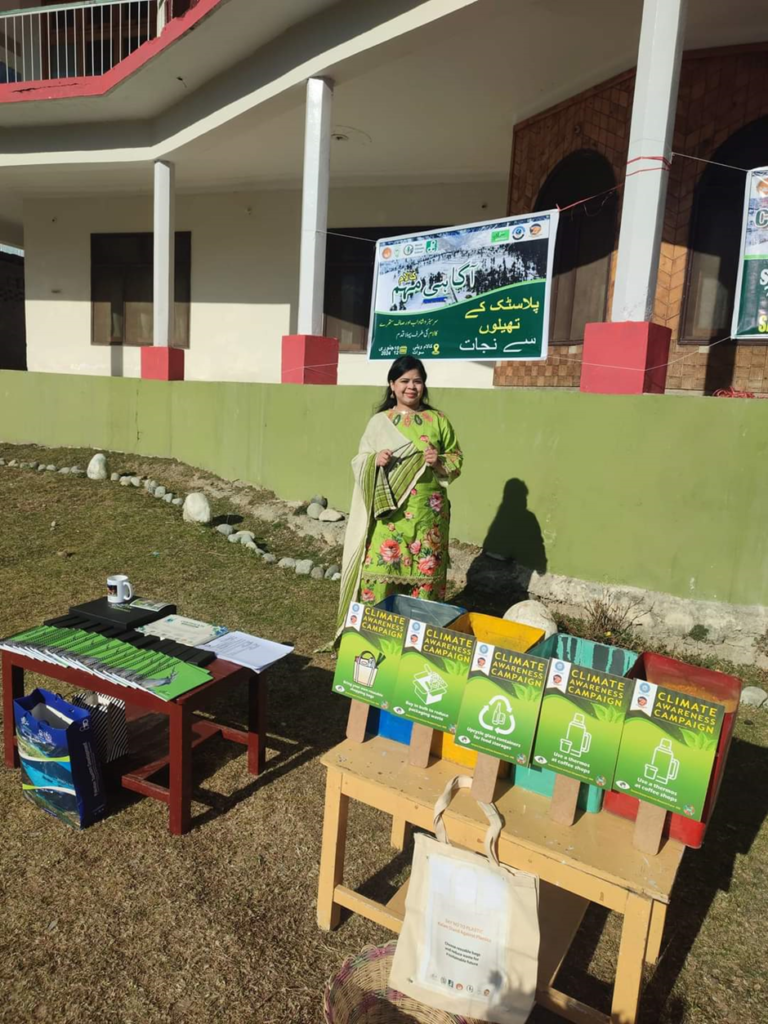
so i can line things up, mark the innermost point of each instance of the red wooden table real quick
(186, 729)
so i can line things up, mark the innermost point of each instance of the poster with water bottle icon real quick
(501, 703)
(668, 748)
(581, 722)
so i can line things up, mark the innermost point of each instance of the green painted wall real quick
(659, 492)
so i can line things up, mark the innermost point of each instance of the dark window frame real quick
(101, 267)
(582, 173)
(354, 250)
(739, 151)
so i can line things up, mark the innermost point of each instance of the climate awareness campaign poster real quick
(581, 721)
(668, 748)
(432, 675)
(369, 654)
(501, 703)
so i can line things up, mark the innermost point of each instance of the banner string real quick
(664, 165)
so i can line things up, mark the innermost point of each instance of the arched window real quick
(715, 235)
(586, 238)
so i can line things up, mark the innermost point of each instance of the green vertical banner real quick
(369, 654)
(750, 310)
(501, 703)
(668, 748)
(480, 291)
(581, 721)
(432, 675)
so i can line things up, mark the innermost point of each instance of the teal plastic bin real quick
(617, 662)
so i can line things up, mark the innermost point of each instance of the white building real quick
(119, 117)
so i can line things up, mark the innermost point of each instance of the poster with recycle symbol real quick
(501, 703)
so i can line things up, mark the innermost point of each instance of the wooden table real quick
(592, 861)
(186, 729)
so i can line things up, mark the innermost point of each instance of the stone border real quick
(98, 472)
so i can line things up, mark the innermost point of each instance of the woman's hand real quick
(383, 459)
(431, 457)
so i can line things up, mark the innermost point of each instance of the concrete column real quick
(314, 213)
(164, 254)
(159, 361)
(653, 116)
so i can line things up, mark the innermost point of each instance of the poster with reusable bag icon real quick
(369, 654)
(668, 748)
(581, 721)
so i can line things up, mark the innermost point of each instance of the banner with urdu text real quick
(750, 310)
(481, 291)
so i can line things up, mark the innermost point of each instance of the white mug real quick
(119, 589)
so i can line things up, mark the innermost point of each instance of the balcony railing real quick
(80, 39)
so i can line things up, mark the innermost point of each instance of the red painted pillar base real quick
(310, 359)
(159, 363)
(627, 358)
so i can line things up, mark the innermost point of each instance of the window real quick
(715, 236)
(122, 286)
(586, 237)
(349, 260)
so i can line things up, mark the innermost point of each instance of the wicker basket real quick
(359, 994)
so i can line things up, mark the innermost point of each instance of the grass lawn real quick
(123, 924)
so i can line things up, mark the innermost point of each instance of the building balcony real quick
(57, 42)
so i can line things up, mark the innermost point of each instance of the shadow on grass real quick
(739, 815)
(304, 719)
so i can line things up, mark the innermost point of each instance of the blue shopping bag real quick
(60, 769)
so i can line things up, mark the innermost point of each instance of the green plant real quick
(699, 633)
(761, 644)
(610, 620)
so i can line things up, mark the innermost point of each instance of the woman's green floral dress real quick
(407, 550)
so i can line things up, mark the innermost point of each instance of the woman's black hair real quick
(400, 367)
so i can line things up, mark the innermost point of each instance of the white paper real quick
(249, 651)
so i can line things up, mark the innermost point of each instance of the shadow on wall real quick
(513, 550)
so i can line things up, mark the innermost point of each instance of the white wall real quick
(245, 256)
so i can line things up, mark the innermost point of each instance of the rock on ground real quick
(330, 515)
(318, 499)
(160, 491)
(244, 535)
(197, 508)
(331, 571)
(269, 558)
(97, 467)
(135, 481)
(317, 573)
(177, 501)
(64, 471)
(534, 614)
(286, 563)
(227, 529)
(315, 510)
(304, 567)
(114, 477)
(150, 485)
(337, 577)
(233, 538)
(754, 696)
(168, 497)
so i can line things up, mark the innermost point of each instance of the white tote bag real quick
(470, 938)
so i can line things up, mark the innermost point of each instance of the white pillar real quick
(314, 212)
(162, 15)
(653, 119)
(164, 254)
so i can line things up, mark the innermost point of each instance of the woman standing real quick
(397, 536)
